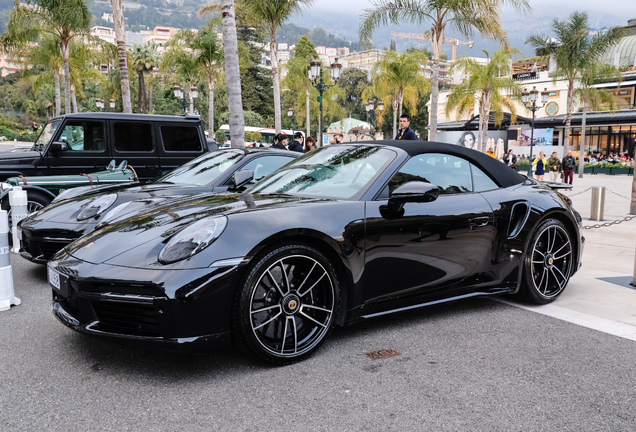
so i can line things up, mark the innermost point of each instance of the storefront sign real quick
(525, 76)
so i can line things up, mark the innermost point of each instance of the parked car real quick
(86, 142)
(42, 190)
(78, 211)
(344, 233)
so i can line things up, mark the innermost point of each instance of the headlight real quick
(193, 239)
(72, 193)
(97, 207)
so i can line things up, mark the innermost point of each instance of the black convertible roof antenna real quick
(499, 172)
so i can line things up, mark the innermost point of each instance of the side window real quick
(481, 182)
(83, 136)
(133, 137)
(450, 173)
(264, 166)
(181, 138)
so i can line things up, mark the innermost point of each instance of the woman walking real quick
(310, 144)
(541, 166)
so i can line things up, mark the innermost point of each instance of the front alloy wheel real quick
(288, 304)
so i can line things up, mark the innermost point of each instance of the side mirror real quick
(57, 146)
(415, 191)
(243, 177)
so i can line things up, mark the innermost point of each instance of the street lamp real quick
(529, 99)
(178, 93)
(369, 107)
(112, 105)
(100, 103)
(290, 114)
(315, 75)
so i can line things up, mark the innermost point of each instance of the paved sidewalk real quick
(599, 296)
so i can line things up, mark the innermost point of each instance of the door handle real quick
(479, 221)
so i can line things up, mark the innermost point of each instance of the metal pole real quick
(534, 110)
(321, 89)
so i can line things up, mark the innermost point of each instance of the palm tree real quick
(462, 16)
(47, 54)
(208, 58)
(118, 21)
(595, 98)
(489, 84)
(272, 13)
(297, 77)
(398, 79)
(574, 49)
(62, 19)
(144, 60)
(182, 59)
(232, 74)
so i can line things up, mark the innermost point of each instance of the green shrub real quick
(7, 133)
(256, 136)
(220, 136)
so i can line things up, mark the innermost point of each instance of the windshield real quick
(204, 169)
(47, 133)
(337, 172)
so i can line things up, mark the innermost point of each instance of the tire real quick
(548, 264)
(285, 304)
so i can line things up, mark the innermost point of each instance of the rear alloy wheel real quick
(287, 305)
(548, 264)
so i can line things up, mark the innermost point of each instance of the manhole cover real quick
(382, 354)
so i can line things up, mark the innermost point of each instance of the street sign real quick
(325, 139)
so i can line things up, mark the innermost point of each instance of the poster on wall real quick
(542, 137)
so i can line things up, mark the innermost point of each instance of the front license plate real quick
(54, 279)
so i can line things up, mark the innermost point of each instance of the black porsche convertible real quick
(78, 211)
(342, 234)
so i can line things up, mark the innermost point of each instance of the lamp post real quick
(290, 114)
(370, 107)
(194, 93)
(100, 103)
(112, 105)
(315, 75)
(529, 99)
(178, 93)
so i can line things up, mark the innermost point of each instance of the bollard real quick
(18, 201)
(7, 297)
(598, 203)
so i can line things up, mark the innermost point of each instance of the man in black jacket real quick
(567, 165)
(297, 144)
(405, 132)
(511, 160)
(281, 142)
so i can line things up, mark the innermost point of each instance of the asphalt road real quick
(476, 365)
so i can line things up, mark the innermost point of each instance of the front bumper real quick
(39, 245)
(185, 310)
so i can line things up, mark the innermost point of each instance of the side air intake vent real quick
(518, 217)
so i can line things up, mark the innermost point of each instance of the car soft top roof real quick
(499, 172)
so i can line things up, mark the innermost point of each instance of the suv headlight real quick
(97, 207)
(193, 239)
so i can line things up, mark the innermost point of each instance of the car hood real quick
(147, 233)
(141, 196)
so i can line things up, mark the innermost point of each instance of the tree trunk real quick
(73, 99)
(191, 110)
(273, 53)
(58, 98)
(395, 108)
(65, 51)
(437, 40)
(582, 146)
(118, 21)
(211, 106)
(151, 108)
(568, 117)
(308, 112)
(484, 117)
(401, 101)
(232, 74)
(140, 93)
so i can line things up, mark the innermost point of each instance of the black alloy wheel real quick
(287, 304)
(548, 263)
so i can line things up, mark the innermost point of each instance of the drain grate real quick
(383, 354)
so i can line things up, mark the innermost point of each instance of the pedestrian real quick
(35, 127)
(540, 166)
(281, 142)
(491, 153)
(510, 159)
(310, 144)
(567, 165)
(405, 132)
(297, 144)
(554, 164)
(338, 138)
